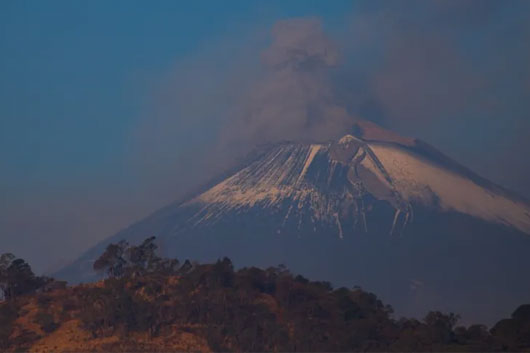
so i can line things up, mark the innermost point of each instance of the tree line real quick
(252, 309)
(17, 278)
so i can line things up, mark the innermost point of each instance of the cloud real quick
(424, 79)
(434, 61)
(300, 44)
(293, 98)
(452, 73)
(217, 105)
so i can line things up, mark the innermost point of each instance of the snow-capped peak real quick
(330, 181)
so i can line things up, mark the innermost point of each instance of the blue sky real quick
(76, 76)
(107, 107)
(72, 73)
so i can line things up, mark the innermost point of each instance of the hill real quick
(162, 305)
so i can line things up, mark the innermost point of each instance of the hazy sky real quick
(111, 109)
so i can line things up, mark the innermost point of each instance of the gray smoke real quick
(455, 74)
(217, 106)
(293, 97)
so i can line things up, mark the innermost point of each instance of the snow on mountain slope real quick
(419, 180)
(278, 176)
(331, 181)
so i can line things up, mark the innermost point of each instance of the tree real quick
(223, 272)
(514, 333)
(167, 266)
(8, 314)
(441, 326)
(16, 277)
(143, 257)
(113, 259)
(123, 259)
(5, 260)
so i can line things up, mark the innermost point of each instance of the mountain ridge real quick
(339, 210)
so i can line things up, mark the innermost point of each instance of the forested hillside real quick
(147, 303)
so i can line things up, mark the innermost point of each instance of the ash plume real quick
(293, 98)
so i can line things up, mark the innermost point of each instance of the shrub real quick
(46, 321)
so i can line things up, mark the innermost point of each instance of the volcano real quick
(372, 209)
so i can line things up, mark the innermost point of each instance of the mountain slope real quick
(328, 179)
(387, 213)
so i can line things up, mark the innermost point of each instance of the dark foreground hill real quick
(164, 306)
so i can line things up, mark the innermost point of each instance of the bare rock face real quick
(392, 215)
(367, 176)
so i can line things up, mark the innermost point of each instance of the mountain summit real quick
(326, 185)
(374, 209)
